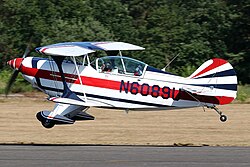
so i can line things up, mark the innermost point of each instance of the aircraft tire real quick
(48, 124)
(223, 118)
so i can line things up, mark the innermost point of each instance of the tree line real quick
(196, 30)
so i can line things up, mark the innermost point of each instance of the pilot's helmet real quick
(138, 71)
(107, 66)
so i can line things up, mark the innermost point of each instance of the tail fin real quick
(219, 74)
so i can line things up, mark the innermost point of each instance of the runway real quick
(112, 156)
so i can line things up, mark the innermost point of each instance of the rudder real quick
(221, 74)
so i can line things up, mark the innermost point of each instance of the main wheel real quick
(223, 118)
(48, 124)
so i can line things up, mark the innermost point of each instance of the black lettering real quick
(165, 92)
(144, 89)
(155, 91)
(124, 87)
(134, 88)
(173, 92)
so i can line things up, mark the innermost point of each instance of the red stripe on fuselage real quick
(115, 85)
(39, 73)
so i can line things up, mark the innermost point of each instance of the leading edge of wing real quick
(70, 101)
(67, 101)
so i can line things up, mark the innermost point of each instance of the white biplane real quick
(75, 83)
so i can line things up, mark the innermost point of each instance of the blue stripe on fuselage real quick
(152, 69)
(35, 60)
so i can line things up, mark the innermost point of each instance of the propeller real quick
(15, 73)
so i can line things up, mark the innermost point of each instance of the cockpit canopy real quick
(119, 65)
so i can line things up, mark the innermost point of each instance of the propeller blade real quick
(11, 81)
(27, 51)
(16, 71)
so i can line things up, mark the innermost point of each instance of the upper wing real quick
(64, 50)
(112, 46)
(82, 48)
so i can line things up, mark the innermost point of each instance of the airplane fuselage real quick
(152, 89)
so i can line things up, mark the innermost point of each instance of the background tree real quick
(196, 30)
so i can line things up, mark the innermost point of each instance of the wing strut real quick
(80, 79)
(67, 93)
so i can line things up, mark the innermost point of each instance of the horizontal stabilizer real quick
(198, 91)
(190, 90)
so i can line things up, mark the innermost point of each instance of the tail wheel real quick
(223, 118)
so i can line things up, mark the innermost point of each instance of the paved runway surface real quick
(112, 156)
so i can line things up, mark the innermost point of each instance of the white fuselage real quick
(152, 89)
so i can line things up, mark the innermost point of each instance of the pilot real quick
(138, 71)
(106, 67)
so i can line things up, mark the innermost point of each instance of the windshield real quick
(119, 65)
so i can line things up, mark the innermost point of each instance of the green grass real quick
(243, 94)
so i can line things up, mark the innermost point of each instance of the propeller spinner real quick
(15, 64)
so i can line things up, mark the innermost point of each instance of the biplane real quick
(75, 83)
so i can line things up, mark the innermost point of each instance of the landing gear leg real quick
(223, 118)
